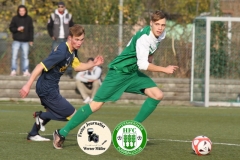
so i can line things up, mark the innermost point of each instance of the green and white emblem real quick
(129, 137)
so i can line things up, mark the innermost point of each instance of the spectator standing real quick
(22, 29)
(58, 28)
(88, 82)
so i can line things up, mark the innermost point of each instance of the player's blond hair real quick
(76, 30)
(157, 15)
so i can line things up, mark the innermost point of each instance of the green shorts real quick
(116, 83)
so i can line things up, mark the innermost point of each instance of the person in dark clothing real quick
(58, 28)
(49, 72)
(22, 30)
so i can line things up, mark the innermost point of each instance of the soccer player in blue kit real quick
(50, 70)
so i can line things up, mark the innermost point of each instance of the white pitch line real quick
(185, 141)
(170, 140)
(228, 144)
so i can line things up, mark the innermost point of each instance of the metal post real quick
(229, 35)
(120, 26)
(192, 66)
(207, 63)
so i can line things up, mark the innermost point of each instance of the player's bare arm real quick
(85, 66)
(26, 88)
(168, 70)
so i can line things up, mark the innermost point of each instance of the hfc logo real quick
(129, 137)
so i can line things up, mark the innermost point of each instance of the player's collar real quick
(162, 36)
(69, 48)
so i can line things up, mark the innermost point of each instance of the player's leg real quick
(40, 123)
(142, 84)
(42, 118)
(15, 48)
(110, 90)
(155, 96)
(81, 115)
(58, 108)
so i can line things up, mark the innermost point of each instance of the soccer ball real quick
(201, 145)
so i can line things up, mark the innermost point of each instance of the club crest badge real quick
(129, 137)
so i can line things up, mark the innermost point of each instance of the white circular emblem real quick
(94, 137)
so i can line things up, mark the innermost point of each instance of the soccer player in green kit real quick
(124, 76)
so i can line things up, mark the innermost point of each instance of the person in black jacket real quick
(58, 28)
(22, 30)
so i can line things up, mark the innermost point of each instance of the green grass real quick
(170, 129)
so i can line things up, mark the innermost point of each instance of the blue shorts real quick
(58, 106)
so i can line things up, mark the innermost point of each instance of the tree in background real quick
(103, 12)
(181, 11)
(100, 19)
(106, 12)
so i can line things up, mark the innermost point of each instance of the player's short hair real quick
(76, 30)
(157, 15)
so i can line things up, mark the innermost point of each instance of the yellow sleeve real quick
(75, 62)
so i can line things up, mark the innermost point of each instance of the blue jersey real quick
(54, 67)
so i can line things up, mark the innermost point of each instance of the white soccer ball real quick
(201, 145)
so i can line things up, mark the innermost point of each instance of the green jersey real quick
(135, 55)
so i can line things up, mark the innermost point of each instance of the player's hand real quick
(98, 60)
(24, 91)
(171, 69)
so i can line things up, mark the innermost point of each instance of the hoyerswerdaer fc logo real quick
(94, 137)
(129, 137)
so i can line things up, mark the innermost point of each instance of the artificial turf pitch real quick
(170, 129)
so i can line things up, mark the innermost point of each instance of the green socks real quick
(81, 115)
(84, 112)
(147, 108)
